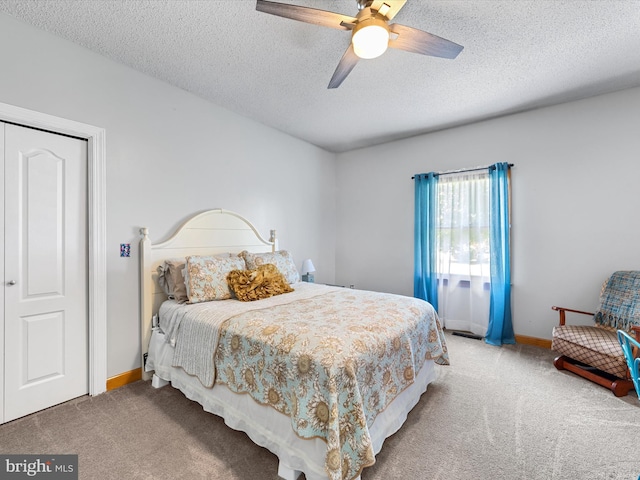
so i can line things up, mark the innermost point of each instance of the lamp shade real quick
(370, 38)
(307, 267)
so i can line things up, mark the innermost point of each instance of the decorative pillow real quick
(282, 259)
(171, 279)
(206, 277)
(263, 282)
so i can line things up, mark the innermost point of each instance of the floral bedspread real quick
(332, 363)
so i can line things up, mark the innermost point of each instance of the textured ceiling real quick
(517, 55)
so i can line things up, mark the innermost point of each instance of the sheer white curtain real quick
(463, 251)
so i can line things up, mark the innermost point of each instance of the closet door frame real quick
(96, 210)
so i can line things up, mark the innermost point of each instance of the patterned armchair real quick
(594, 352)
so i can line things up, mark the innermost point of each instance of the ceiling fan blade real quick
(347, 62)
(417, 41)
(307, 15)
(388, 8)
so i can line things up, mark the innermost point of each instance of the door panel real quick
(46, 319)
(43, 346)
(43, 195)
(2, 269)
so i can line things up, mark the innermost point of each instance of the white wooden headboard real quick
(206, 233)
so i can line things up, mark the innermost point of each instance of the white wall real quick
(169, 155)
(575, 202)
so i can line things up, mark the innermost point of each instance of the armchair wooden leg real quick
(618, 386)
(621, 387)
(558, 362)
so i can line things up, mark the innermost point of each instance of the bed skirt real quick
(274, 431)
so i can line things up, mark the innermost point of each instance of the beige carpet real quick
(495, 413)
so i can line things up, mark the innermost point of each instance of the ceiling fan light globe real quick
(370, 41)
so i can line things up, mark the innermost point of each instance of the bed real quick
(320, 375)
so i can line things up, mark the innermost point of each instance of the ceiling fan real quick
(371, 33)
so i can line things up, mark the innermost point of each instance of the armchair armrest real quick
(563, 310)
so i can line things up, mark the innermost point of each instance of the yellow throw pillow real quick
(263, 282)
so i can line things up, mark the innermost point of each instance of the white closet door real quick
(46, 319)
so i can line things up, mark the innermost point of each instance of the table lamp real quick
(307, 271)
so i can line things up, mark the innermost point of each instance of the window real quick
(462, 225)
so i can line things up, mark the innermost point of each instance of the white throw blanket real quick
(197, 338)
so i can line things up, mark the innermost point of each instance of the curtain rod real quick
(449, 172)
